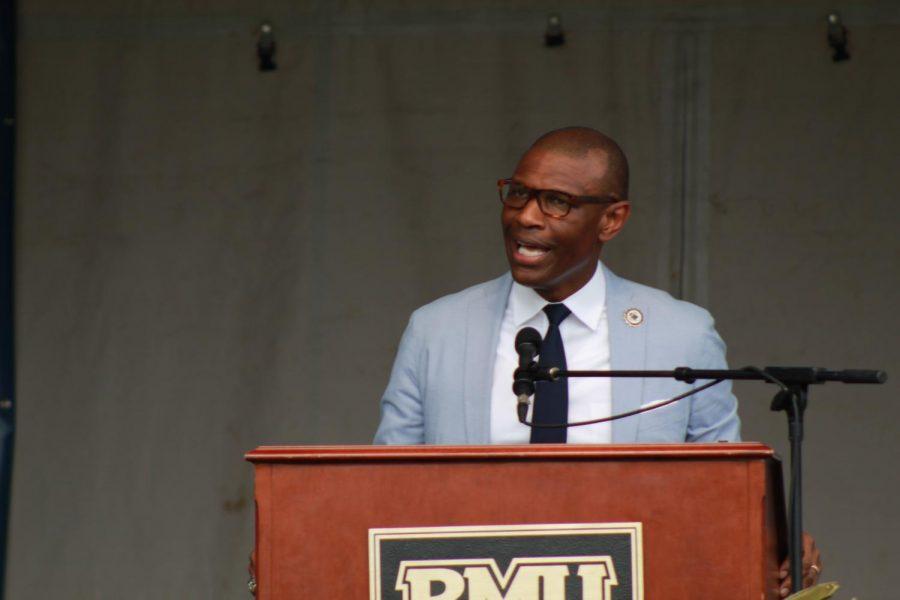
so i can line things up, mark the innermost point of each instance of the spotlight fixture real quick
(837, 38)
(265, 47)
(554, 35)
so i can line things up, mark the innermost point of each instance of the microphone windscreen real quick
(528, 335)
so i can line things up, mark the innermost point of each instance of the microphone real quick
(528, 345)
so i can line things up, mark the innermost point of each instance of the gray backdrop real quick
(211, 258)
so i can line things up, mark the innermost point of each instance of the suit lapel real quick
(484, 315)
(627, 347)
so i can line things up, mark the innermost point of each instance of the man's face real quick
(555, 256)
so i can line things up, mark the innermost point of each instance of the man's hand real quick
(251, 568)
(812, 566)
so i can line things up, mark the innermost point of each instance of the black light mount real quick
(554, 35)
(837, 38)
(265, 46)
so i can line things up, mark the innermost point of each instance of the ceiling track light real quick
(554, 35)
(837, 38)
(265, 47)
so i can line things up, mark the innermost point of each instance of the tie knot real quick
(557, 313)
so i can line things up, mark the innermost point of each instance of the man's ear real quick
(613, 220)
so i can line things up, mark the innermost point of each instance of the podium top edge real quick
(721, 450)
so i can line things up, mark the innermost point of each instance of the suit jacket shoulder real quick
(678, 313)
(679, 329)
(453, 306)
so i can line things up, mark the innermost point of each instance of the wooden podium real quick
(710, 517)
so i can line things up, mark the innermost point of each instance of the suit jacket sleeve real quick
(402, 417)
(713, 413)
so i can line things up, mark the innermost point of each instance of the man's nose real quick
(531, 215)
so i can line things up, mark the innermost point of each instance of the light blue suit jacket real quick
(440, 386)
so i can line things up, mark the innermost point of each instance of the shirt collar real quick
(587, 304)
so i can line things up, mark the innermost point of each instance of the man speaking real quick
(452, 379)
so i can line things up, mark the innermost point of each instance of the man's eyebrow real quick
(514, 180)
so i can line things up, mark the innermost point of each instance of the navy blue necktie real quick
(551, 398)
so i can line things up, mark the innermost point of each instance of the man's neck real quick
(587, 302)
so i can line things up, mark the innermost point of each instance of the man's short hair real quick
(579, 142)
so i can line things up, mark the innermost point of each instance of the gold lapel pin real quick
(634, 317)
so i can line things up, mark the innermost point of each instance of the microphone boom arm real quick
(792, 398)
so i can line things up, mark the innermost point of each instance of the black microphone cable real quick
(631, 413)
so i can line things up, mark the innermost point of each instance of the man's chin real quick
(528, 277)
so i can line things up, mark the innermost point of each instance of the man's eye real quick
(556, 200)
(517, 191)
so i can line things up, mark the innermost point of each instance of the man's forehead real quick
(563, 171)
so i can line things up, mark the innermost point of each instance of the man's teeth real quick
(531, 251)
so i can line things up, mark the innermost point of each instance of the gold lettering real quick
(597, 580)
(418, 584)
(529, 582)
(531, 578)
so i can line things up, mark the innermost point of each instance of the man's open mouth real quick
(530, 251)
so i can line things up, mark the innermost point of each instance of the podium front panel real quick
(711, 515)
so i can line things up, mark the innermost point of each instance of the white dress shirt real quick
(585, 335)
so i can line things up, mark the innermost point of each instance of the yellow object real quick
(816, 592)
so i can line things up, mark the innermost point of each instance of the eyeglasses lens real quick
(515, 195)
(554, 204)
(551, 203)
